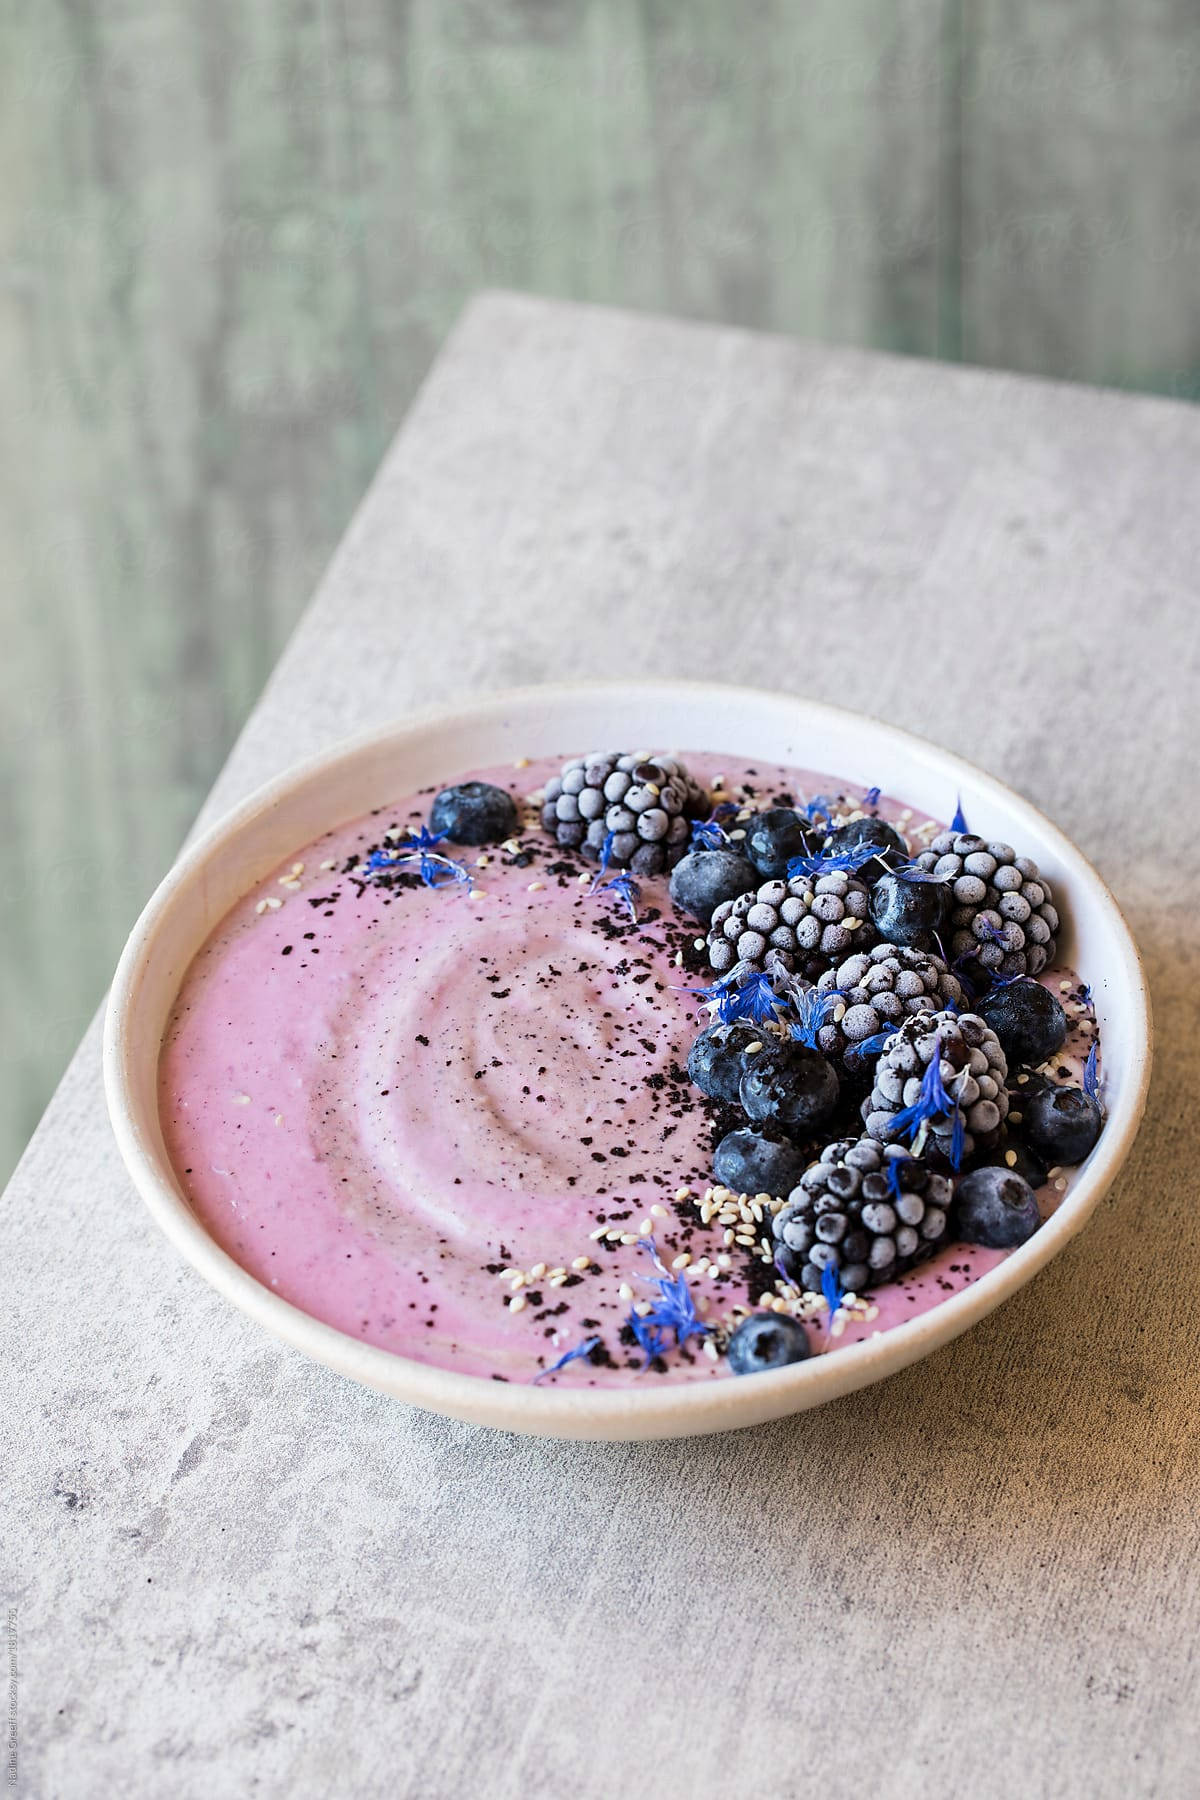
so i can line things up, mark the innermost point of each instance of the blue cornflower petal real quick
(932, 1103)
(835, 862)
(831, 1287)
(569, 1356)
(812, 1009)
(958, 823)
(1091, 1076)
(708, 834)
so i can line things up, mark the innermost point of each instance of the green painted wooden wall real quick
(232, 236)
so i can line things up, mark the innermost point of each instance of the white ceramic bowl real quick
(369, 771)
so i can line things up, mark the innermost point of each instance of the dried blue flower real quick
(570, 1356)
(848, 860)
(709, 834)
(893, 1176)
(870, 798)
(932, 1103)
(626, 889)
(672, 1310)
(812, 1009)
(857, 1054)
(831, 1287)
(606, 850)
(819, 807)
(417, 847)
(1091, 1076)
(958, 823)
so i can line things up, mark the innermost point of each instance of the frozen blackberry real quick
(810, 923)
(869, 1211)
(877, 989)
(939, 1084)
(1002, 911)
(639, 805)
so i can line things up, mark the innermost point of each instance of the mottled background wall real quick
(233, 235)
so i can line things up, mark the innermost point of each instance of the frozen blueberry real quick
(1027, 1164)
(996, 1208)
(774, 837)
(751, 1162)
(911, 912)
(704, 878)
(1027, 1018)
(788, 1084)
(1062, 1122)
(475, 812)
(717, 1060)
(767, 1341)
(867, 831)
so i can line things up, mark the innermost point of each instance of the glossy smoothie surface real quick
(380, 1096)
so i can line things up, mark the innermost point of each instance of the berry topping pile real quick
(879, 1066)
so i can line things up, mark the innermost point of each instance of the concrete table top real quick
(231, 1572)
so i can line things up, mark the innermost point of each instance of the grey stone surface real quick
(235, 1573)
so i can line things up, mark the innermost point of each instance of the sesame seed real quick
(241, 1099)
(522, 762)
(700, 1266)
(557, 1281)
(537, 1270)
(658, 1211)
(683, 1193)
(1061, 1184)
(279, 1118)
(517, 1303)
(477, 894)
(645, 1228)
(710, 1350)
(679, 959)
(597, 1234)
(1015, 1118)
(735, 836)
(481, 862)
(724, 1262)
(642, 1307)
(629, 1237)
(507, 1274)
(754, 1048)
(613, 1234)
(582, 1262)
(1010, 1157)
(699, 943)
(329, 863)
(535, 887)
(625, 1291)
(681, 1261)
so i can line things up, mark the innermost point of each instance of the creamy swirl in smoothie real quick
(446, 1119)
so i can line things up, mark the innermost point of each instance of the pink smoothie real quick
(384, 1100)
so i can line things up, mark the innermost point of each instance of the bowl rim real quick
(686, 1408)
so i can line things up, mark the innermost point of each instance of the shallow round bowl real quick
(370, 771)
